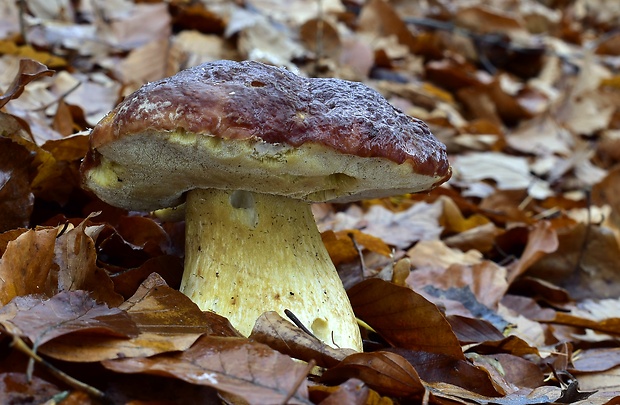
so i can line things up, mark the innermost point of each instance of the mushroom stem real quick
(247, 253)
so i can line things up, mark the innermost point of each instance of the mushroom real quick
(248, 147)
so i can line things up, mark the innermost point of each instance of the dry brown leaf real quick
(19, 388)
(134, 26)
(353, 391)
(16, 198)
(281, 335)
(609, 325)
(472, 330)
(592, 360)
(341, 245)
(485, 19)
(434, 254)
(542, 239)
(583, 263)
(29, 70)
(435, 367)
(385, 372)
(236, 367)
(57, 179)
(396, 313)
(42, 320)
(510, 371)
(452, 393)
(166, 321)
(401, 229)
(541, 136)
(379, 20)
(76, 259)
(508, 172)
(26, 263)
(511, 345)
(486, 280)
(169, 267)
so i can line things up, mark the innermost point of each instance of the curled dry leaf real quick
(243, 369)
(385, 372)
(341, 245)
(16, 198)
(584, 262)
(353, 392)
(436, 367)
(42, 320)
(281, 335)
(542, 239)
(76, 258)
(18, 388)
(594, 360)
(29, 70)
(25, 265)
(166, 320)
(57, 178)
(447, 393)
(40, 262)
(470, 330)
(404, 318)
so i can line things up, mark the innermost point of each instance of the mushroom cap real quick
(255, 127)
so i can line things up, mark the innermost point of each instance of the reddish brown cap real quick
(255, 127)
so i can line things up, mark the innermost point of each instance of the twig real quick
(22, 20)
(586, 235)
(297, 322)
(57, 100)
(360, 254)
(20, 345)
(319, 36)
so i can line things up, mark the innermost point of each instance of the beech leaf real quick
(42, 320)
(235, 366)
(280, 334)
(166, 320)
(404, 318)
(387, 373)
(29, 70)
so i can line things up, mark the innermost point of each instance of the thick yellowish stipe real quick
(247, 253)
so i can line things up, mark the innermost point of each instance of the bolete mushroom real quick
(248, 147)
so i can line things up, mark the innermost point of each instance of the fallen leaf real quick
(436, 367)
(353, 391)
(385, 372)
(26, 263)
(18, 388)
(592, 360)
(473, 330)
(281, 335)
(510, 371)
(76, 258)
(16, 198)
(237, 367)
(395, 313)
(29, 70)
(42, 320)
(583, 263)
(542, 240)
(452, 393)
(341, 245)
(166, 321)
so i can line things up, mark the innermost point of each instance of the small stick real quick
(586, 235)
(20, 345)
(359, 252)
(298, 323)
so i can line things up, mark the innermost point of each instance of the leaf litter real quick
(499, 287)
